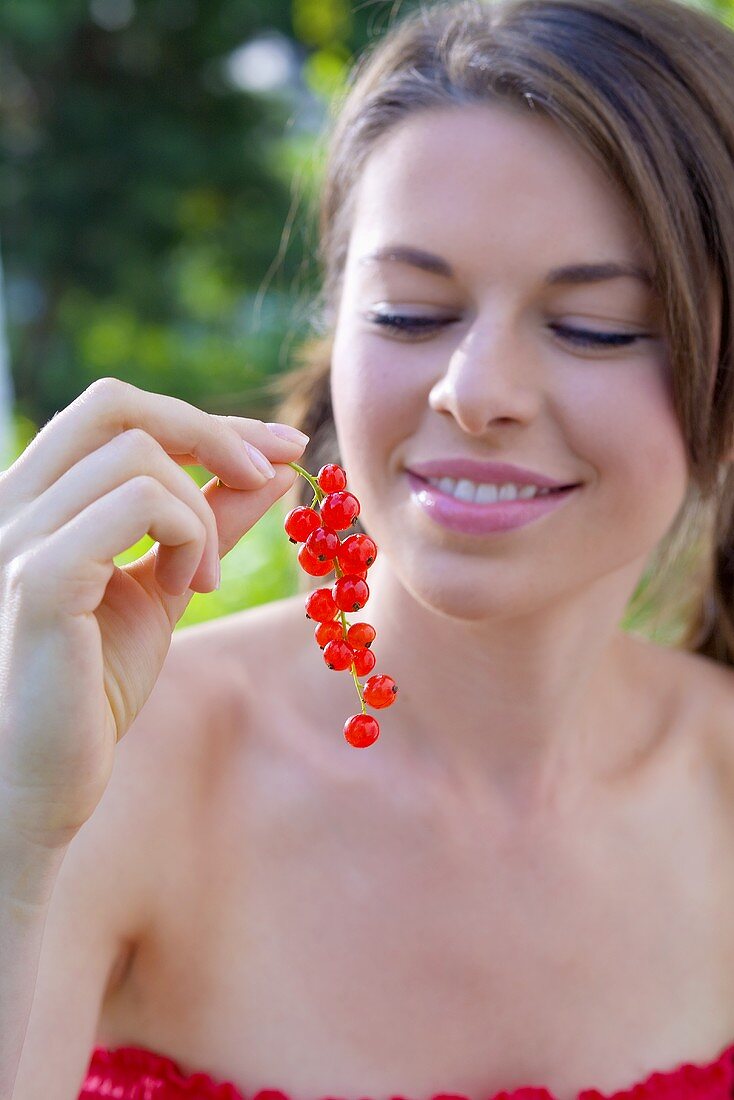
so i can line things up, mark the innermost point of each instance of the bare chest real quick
(335, 935)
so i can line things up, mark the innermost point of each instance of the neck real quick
(529, 711)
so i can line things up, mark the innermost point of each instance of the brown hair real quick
(645, 88)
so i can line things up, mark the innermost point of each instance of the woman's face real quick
(502, 198)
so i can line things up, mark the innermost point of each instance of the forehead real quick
(482, 180)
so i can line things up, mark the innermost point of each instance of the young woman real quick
(525, 886)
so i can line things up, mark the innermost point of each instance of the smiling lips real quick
(495, 473)
(475, 517)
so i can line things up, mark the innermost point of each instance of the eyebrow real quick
(573, 274)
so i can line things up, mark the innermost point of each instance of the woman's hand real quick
(82, 641)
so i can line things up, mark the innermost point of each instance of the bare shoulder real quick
(168, 776)
(168, 771)
(237, 663)
(249, 670)
(213, 674)
(703, 695)
(147, 813)
(690, 680)
(224, 680)
(244, 640)
(689, 700)
(271, 733)
(196, 744)
(716, 682)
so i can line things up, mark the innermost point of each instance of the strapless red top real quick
(133, 1073)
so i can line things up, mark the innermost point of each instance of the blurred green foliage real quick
(138, 205)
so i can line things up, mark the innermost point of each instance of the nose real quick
(485, 385)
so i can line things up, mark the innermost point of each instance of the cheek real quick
(625, 425)
(372, 410)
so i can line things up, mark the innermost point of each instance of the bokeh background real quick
(159, 169)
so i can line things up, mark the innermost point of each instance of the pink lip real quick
(496, 472)
(482, 519)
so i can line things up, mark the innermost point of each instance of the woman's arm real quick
(27, 877)
(104, 898)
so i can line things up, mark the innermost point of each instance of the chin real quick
(464, 597)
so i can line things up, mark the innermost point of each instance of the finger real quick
(131, 454)
(236, 513)
(70, 569)
(110, 406)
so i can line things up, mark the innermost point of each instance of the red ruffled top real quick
(133, 1073)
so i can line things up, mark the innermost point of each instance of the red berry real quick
(300, 522)
(361, 635)
(328, 632)
(356, 553)
(323, 543)
(320, 606)
(380, 691)
(338, 654)
(332, 478)
(361, 730)
(339, 510)
(350, 593)
(312, 565)
(364, 661)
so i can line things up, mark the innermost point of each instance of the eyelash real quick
(399, 322)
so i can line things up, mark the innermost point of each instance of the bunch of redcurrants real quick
(344, 646)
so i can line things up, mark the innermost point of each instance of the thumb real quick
(236, 511)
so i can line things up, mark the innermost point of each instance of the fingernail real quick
(260, 460)
(285, 431)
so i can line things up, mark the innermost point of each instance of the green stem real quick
(318, 496)
(318, 492)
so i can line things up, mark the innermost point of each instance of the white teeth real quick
(486, 494)
(473, 492)
(465, 490)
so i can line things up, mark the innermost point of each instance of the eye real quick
(586, 338)
(399, 322)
